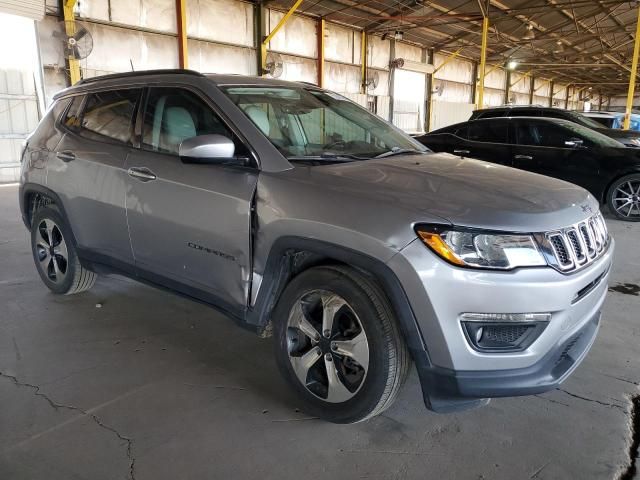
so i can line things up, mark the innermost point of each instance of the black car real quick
(627, 137)
(553, 147)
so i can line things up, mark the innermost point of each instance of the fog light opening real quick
(503, 332)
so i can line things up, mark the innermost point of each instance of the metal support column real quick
(551, 85)
(532, 82)
(483, 61)
(320, 34)
(392, 78)
(427, 57)
(363, 62)
(181, 18)
(507, 86)
(566, 97)
(632, 76)
(70, 29)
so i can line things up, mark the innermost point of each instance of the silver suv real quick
(304, 217)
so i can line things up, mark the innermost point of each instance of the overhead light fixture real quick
(398, 35)
(529, 34)
(512, 64)
(559, 47)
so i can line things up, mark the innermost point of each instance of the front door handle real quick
(66, 155)
(142, 173)
(523, 157)
(461, 152)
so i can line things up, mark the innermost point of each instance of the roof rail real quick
(182, 71)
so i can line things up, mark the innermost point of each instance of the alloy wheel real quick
(626, 199)
(51, 251)
(327, 346)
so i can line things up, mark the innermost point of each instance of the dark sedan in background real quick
(552, 147)
(627, 137)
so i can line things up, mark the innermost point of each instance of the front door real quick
(189, 224)
(486, 140)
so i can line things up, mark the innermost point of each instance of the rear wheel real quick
(338, 345)
(55, 255)
(623, 198)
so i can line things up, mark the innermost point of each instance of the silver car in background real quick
(304, 217)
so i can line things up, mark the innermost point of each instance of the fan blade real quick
(76, 53)
(80, 34)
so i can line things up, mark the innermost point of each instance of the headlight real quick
(478, 249)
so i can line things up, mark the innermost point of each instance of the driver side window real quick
(543, 135)
(173, 115)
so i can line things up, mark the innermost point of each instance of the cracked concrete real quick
(164, 388)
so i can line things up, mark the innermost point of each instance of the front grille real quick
(578, 245)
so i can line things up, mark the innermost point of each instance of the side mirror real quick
(574, 143)
(208, 149)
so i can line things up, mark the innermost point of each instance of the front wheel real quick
(623, 198)
(338, 345)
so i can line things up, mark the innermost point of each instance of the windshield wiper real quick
(328, 157)
(399, 151)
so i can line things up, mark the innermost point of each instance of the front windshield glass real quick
(591, 135)
(307, 123)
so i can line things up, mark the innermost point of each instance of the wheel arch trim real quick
(280, 268)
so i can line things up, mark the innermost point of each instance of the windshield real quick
(308, 123)
(591, 135)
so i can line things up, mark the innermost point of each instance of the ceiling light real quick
(529, 34)
(512, 64)
(398, 35)
(559, 47)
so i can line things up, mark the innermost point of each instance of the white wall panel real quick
(144, 50)
(215, 58)
(445, 113)
(541, 87)
(493, 97)
(457, 70)
(559, 91)
(519, 98)
(520, 83)
(378, 52)
(408, 52)
(495, 78)
(299, 69)
(540, 100)
(342, 78)
(339, 44)
(33, 9)
(227, 21)
(298, 36)
(453, 91)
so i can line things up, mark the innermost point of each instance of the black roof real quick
(140, 73)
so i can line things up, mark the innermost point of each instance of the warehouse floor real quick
(130, 382)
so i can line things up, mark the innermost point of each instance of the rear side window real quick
(110, 114)
(488, 131)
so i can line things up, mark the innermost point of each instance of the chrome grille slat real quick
(578, 245)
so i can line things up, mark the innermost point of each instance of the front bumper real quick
(454, 375)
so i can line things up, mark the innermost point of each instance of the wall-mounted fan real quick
(372, 81)
(274, 65)
(76, 40)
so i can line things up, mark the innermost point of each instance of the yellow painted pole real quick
(265, 42)
(483, 61)
(363, 62)
(181, 17)
(321, 27)
(70, 29)
(632, 77)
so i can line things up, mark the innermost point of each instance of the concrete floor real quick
(153, 386)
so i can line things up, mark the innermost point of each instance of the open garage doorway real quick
(409, 100)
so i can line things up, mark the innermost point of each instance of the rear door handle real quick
(142, 173)
(461, 152)
(523, 157)
(66, 155)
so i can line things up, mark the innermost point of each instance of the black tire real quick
(625, 187)
(64, 276)
(388, 357)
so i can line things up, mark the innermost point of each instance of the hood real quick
(465, 192)
(617, 133)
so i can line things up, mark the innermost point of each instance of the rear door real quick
(486, 140)
(88, 169)
(189, 223)
(541, 147)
